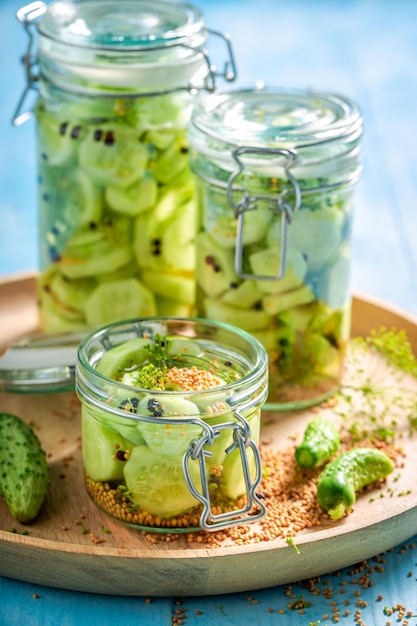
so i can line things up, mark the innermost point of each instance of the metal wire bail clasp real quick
(278, 204)
(229, 66)
(26, 15)
(242, 441)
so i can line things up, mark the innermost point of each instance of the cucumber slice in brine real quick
(172, 440)
(100, 446)
(135, 199)
(179, 346)
(172, 162)
(221, 224)
(157, 484)
(57, 138)
(170, 307)
(177, 288)
(84, 198)
(113, 301)
(125, 356)
(89, 257)
(72, 293)
(232, 477)
(158, 233)
(113, 155)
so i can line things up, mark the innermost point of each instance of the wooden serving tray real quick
(73, 545)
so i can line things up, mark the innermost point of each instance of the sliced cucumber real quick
(221, 224)
(268, 338)
(247, 320)
(50, 303)
(123, 357)
(100, 446)
(177, 288)
(232, 477)
(163, 138)
(317, 234)
(68, 201)
(266, 263)
(276, 303)
(333, 282)
(170, 307)
(319, 350)
(172, 162)
(57, 138)
(124, 299)
(243, 296)
(135, 199)
(72, 293)
(164, 238)
(163, 111)
(126, 271)
(113, 155)
(168, 439)
(156, 483)
(84, 199)
(215, 266)
(222, 441)
(178, 244)
(298, 317)
(184, 347)
(93, 259)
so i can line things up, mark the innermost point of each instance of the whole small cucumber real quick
(321, 441)
(24, 472)
(348, 473)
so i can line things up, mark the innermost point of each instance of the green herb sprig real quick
(161, 358)
(376, 395)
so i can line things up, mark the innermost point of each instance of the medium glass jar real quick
(275, 171)
(115, 83)
(170, 422)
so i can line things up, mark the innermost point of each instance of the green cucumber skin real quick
(321, 441)
(24, 473)
(348, 473)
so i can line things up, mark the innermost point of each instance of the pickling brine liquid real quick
(303, 320)
(275, 171)
(115, 198)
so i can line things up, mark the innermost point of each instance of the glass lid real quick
(273, 117)
(122, 24)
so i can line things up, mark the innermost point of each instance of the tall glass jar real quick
(115, 82)
(170, 422)
(275, 171)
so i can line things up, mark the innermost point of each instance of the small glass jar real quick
(115, 83)
(170, 422)
(275, 170)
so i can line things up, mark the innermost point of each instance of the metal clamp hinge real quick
(27, 15)
(254, 509)
(278, 205)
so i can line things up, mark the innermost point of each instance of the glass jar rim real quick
(256, 373)
(275, 117)
(276, 132)
(124, 48)
(101, 24)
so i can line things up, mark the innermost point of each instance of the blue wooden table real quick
(366, 49)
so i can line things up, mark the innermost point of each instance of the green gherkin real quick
(343, 477)
(321, 441)
(24, 472)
